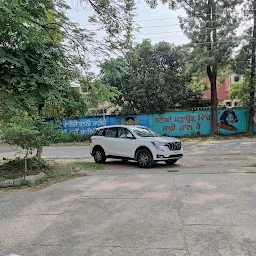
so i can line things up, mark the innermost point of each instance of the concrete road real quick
(238, 147)
(206, 207)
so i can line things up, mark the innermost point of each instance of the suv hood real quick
(161, 139)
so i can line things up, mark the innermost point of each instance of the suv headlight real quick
(157, 145)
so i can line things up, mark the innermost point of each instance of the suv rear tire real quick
(99, 155)
(144, 158)
(170, 162)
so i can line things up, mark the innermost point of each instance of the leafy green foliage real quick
(34, 61)
(29, 133)
(151, 79)
(96, 92)
(72, 105)
(241, 91)
(42, 51)
(26, 45)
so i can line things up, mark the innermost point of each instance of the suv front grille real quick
(174, 146)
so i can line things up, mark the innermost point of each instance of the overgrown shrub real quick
(30, 132)
(15, 168)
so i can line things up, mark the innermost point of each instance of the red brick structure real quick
(222, 91)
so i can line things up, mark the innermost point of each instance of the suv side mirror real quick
(129, 136)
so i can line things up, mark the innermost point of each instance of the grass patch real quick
(172, 170)
(88, 165)
(254, 172)
(252, 165)
(71, 144)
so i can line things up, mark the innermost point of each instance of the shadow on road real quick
(133, 165)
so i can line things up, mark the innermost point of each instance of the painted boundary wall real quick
(181, 123)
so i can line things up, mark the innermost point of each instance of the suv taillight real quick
(90, 140)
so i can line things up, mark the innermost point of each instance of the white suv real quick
(134, 143)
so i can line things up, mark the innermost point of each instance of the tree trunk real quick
(26, 163)
(212, 71)
(40, 149)
(39, 152)
(212, 75)
(252, 78)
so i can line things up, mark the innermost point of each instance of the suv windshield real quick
(144, 132)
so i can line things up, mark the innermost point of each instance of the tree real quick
(152, 80)
(245, 63)
(42, 51)
(35, 62)
(29, 134)
(210, 25)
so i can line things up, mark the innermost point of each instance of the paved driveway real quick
(207, 207)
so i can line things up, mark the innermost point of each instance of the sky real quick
(159, 24)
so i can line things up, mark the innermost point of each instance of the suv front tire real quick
(144, 158)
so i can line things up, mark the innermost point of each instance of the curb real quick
(5, 183)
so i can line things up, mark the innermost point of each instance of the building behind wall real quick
(222, 91)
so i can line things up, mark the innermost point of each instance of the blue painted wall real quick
(183, 123)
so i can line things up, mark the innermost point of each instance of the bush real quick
(64, 137)
(30, 132)
(15, 168)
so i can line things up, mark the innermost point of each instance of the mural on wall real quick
(130, 120)
(87, 125)
(227, 120)
(232, 121)
(182, 123)
(84, 126)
